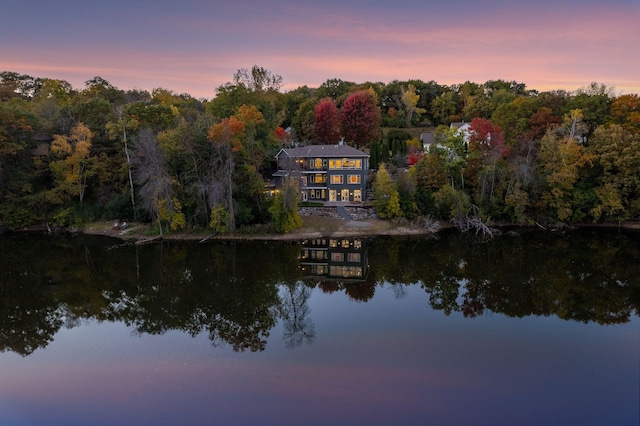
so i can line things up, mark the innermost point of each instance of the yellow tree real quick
(386, 198)
(251, 118)
(410, 101)
(72, 167)
(625, 110)
(560, 160)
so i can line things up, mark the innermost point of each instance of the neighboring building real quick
(427, 139)
(325, 172)
(462, 127)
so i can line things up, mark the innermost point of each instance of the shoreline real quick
(327, 228)
(313, 227)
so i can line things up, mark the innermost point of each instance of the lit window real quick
(353, 179)
(318, 163)
(336, 179)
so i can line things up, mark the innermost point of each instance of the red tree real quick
(361, 117)
(327, 121)
(487, 138)
(282, 135)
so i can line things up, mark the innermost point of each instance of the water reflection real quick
(238, 291)
(343, 259)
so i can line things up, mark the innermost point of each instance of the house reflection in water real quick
(340, 259)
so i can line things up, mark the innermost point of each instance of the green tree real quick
(616, 155)
(445, 108)
(284, 210)
(430, 176)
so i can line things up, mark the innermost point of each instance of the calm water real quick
(527, 329)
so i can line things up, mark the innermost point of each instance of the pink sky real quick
(195, 46)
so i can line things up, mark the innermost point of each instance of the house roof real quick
(460, 124)
(336, 151)
(427, 137)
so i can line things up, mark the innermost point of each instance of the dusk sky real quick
(194, 46)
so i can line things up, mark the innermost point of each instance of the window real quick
(332, 164)
(318, 163)
(338, 164)
(358, 164)
(318, 178)
(318, 269)
(345, 271)
(353, 257)
(353, 179)
(352, 164)
(337, 257)
(336, 179)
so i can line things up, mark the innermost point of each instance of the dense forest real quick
(70, 156)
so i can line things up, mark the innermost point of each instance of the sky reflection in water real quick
(388, 361)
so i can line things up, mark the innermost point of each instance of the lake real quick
(528, 328)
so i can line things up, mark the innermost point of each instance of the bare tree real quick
(151, 175)
(298, 327)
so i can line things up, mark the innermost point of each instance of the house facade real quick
(463, 128)
(325, 172)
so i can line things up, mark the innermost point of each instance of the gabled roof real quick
(427, 137)
(327, 151)
(460, 124)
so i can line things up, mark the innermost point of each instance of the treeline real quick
(69, 156)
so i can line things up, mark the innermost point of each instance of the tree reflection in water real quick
(294, 310)
(238, 291)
